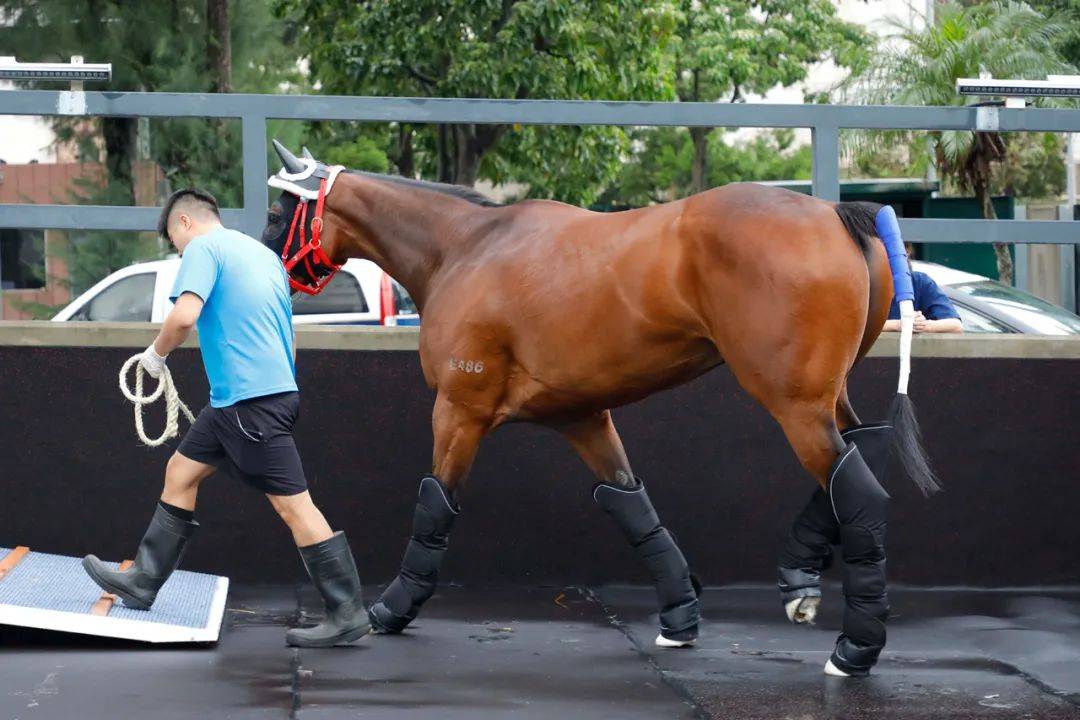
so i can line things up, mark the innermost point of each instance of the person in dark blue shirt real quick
(934, 312)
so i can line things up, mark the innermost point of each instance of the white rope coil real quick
(173, 403)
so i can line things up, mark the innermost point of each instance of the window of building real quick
(22, 259)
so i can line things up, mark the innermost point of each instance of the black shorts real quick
(252, 441)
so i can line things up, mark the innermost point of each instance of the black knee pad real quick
(807, 549)
(860, 506)
(873, 440)
(676, 596)
(432, 520)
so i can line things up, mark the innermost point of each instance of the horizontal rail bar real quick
(1020, 232)
(91, 217)
(927, 230)
(529, 112)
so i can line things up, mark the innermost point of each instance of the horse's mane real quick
(458, 191)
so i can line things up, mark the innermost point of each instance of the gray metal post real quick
(255, 174)
(1067, 257)
(826, 154)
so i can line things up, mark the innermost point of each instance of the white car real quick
(987, 306)
(140, 293)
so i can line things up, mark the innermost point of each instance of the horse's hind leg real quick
(859, 505)
(807, 548)
(458, 432)
(623, 497)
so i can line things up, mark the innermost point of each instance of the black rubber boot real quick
(432, 521)
(676, 595)
(333, 571)
(159, 553)
(861, 505)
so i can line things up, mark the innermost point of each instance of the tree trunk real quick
(444, 166)
(218, 45)
(404, 159)
(467, 155)
(1001, 250)
(471, 143)
(700, 137)
(120, 140)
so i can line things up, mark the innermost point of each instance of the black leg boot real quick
(333, 571)
(806, 553)
(432, 520)
(860, 505)
(807, 550)
(159, 553)
(633, 512)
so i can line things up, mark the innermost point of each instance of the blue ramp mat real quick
(53, 592)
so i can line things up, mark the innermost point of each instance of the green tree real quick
(175, 46)
(1007, 39)
(725, 49)
(662, 167)
(595, 49)
(1067, 42)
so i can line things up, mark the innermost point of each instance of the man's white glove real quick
(151, 362)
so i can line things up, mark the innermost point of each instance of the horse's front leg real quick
(458, 431)
(623, 497)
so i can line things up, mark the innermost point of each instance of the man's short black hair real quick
(197, 196)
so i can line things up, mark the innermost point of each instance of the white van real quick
(140, 293)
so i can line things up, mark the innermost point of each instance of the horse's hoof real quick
(834, 671)
(663, 642)
(802, 611)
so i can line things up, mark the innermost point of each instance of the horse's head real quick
(295, 228)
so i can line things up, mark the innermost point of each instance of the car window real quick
(974, 322)
(129, 299)
(1018, 305)
(341, 295)
(402, 301)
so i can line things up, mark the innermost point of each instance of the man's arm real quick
(944, 325)
(178, 324)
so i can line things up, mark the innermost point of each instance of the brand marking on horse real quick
(469, 366)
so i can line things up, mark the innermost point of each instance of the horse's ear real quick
(304, 152)
(289, 161)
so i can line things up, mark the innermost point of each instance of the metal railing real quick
(824, 121)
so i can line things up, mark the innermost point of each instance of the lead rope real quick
(173, 403)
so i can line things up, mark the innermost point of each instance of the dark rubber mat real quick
(568, 653)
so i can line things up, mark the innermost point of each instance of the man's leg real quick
(182, 479)
(330, 564)
(163, 543)
(305, 521)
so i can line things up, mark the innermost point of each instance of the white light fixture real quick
(1053, 86)
(74, 71)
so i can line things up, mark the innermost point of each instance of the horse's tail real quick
(865, 221)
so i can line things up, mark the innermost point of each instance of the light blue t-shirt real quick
(245, 329)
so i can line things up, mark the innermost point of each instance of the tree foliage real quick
(1006, 38)
(594, 49)
(661, 167)
(723, 50)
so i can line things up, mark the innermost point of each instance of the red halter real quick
(311, 253)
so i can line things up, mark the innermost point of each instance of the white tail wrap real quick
(166, 387)
(907, 328)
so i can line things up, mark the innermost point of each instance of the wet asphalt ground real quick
(570, 653)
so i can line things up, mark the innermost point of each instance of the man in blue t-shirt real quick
(934, 312)
(234, 289)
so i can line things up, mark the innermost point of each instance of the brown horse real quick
(543, 312)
